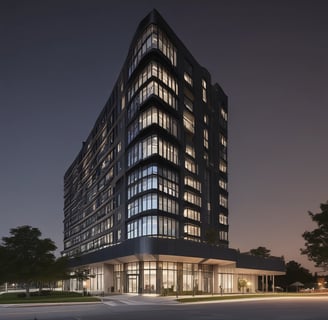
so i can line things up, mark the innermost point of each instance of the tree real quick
(260, 252)
(27, 258)
(211, 236)
(295, 273)
(81, 275)
(56, 270)
(316, 241)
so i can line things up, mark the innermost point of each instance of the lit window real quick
(206, 138)
(224, 115)
(192, 230)
(204, 87)
(190, 150)
(190, 165)
(119, 147)
(223, 235)
(189, 121)
(152, 37)
(223, 140)
(188, 103)
(223, 166)
(192, 198)
(193, 183)
(223, 184)
(223, 219)
(223, 201)
(191, 214)
(187, 78)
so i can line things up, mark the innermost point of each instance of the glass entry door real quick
(132, 283)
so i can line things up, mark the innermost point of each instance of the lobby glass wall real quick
(166, 278)
(163, 278)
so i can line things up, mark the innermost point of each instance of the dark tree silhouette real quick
(316, 241)
(260, 252)
(26, 258)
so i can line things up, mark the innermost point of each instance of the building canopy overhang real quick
(156, 249)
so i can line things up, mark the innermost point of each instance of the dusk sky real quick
(60, 59)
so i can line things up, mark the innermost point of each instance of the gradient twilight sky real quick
(59, 60)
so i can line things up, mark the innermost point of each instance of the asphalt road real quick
(307, 308)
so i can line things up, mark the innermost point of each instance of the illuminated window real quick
(153, 69)
(223, 219)
(191, 230)
(152, 88)
(206, 138)
(152, 145)
(151, 38)
(189, 121)
(223, 166)
(187, 78)
(190, 165)
(188, 100)
(153, 116)
(190, 150)
(153, 177)
(193, 183)
(223, 184)
(223, 235)
(204, 87)
(224, 115)
(223, 201)
(192, 198)
(119, 147)
(191, 214)
(223, 140)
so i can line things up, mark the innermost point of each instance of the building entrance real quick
(132, 283)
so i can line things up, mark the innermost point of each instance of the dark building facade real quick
(146, 199)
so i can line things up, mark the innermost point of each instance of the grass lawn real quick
(12, 298)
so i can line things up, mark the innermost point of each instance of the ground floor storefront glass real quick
(165, 278)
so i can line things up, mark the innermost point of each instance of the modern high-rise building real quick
(146, 199)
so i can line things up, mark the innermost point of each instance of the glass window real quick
(152, 226)
(152, 37)
(192, 198)
(224, 114)
(205, 138)
(190, 165)
(204, 87)
(223, 201)
(192, 182)
(191, 214)
(188, 104)
(190, 150)
(223, 219)
(187, 77)
(189, 121)
(223, 184)
(223, 140)
(223, 166)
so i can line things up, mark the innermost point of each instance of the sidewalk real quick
(135, 299)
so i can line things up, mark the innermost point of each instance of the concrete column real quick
(216, 283)
(266, 283)
(273, 284)
(179, 277)
(108, 278)
(159, 278)
(141, 277)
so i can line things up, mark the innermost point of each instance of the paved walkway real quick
(134, 299)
